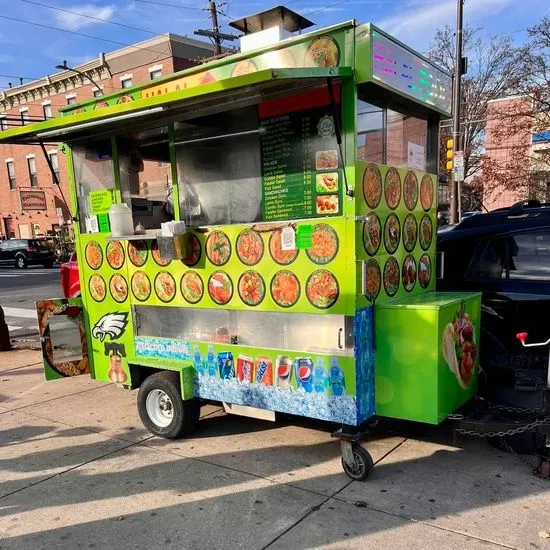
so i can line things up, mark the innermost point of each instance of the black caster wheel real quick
(356, 461)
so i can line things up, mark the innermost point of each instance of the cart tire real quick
(362, 466)
(161, 408)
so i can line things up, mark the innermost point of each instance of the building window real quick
(98, 93)
(157, 73)
(71, 99)
(24, 116)
(3, 123)
(126, 83)
(47, 109)
(32, 171)
(55, 165)
(11, 173)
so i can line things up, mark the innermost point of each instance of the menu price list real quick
(289, 144)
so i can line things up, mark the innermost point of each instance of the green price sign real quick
(101, 201)
(304, 236)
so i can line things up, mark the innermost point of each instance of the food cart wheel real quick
(356, 461)
(161, 408)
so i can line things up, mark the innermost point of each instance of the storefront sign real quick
(33, 200)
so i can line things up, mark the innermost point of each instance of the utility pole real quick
(459, 68)
(215, 28)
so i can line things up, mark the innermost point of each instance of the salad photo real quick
(410, 232)
(94, 255)
(192, 287)
(218, 248)
(392, 233)
(325, 244)
(391, 276)
(426, 230)
(115, 254)
(165, 286)
(250, 247)
(97, 287)
(323, 52)
(322, 289)
(285, 288)
(141, 286)
(118, 288)
(251, 288)
(220, 287)
(137, 252)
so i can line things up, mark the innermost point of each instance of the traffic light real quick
(450, 152)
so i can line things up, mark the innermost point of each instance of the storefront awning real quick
(165, 107)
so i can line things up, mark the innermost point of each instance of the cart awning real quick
(167, 107)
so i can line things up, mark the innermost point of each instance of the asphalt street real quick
(19, 290)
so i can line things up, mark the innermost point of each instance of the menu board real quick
(301, 165)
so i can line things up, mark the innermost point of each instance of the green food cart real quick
(304, 170)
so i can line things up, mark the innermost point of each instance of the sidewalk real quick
(77, 470)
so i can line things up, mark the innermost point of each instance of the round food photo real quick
(391, 276)
(98, 289)
(246, 66)
(192, 287)
(426, 192)
(374, 280)
(392, 233)
(410, 232)
(285, 288)
(392, 188)
(155, 253)
(282, 257)
(249, 247)
(165, 286)
(194, 251)
(218, 248)
(322, 289)
(322, 52)
(372, 185)
(115, 254)
(93, 254)
(408, 273)
(424, 270)
(459, 348)
(141, 286)
(426, 232)
(137, 252)
(325, 244)
(410, 190)
(220, 287)
(372, 234)
(118, 288)
(251, 288)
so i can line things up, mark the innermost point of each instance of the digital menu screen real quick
(301, 166)
(408, 73)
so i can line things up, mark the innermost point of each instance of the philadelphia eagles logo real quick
(113, 324)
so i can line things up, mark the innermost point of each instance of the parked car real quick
(505, 254)
(24, 252)
(70, 282)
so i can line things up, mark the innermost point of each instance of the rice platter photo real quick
(374, 280)
(424, 270)
(194, 251)
(155, 252)
(325, 244)
(392, 233)
(410, 190)
(115, 254)
(165, 286)
(426, 192)
(251, 288)
(94, 255)
(408, 273)
(285, 288)
(322, 289)
(410, 232)
(220, 287)
(141, 286)
(323, 52)
(98, 289)
(250, 247)
(282, 257)
(392, 188)
(192, 287)
(218, 248)
(391, 276)
(372, 185)
(372, 234)
(426, 231)
(118, 288)
(137, 252)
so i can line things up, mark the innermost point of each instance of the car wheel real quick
(20, 262)
(161, 408)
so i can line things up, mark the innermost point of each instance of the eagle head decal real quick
(113, 324)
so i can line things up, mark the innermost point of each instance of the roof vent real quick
(269, 27)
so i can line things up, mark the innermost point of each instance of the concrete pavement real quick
(77, 470)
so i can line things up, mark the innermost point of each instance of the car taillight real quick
(32, 249)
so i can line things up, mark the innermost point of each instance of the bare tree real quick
(493, 64)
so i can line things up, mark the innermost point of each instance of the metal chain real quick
(522, 459)
(511, 431)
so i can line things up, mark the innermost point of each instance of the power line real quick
(170, 5)
(51, 27)
(327, 7)
(89, 17)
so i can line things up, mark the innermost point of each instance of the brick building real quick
(30, 203)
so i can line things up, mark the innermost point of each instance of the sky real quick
(32, 50)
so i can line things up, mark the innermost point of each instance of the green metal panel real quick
(174, 166)
(363, 60)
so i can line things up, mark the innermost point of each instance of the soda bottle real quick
(319, 376)
(197, 361)
(211, 361)
(337, 378)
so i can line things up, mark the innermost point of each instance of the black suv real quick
(23, 252)
(505, 254)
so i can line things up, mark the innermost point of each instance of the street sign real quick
(458, 165)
